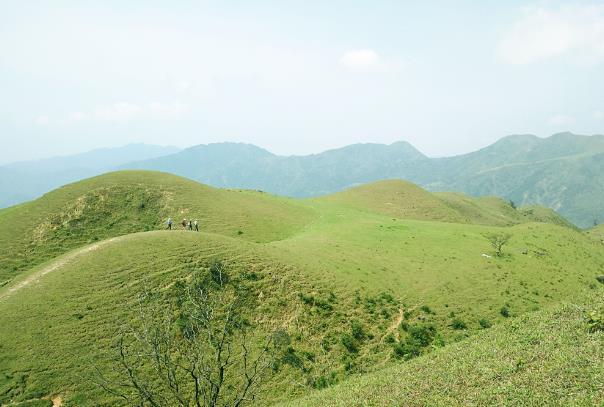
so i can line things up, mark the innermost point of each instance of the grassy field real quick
(132, 201)
(548, 358)
(597, 233)
(353, 278)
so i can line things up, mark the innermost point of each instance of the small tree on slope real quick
(498, 240)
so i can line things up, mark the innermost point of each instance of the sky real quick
(296, 77)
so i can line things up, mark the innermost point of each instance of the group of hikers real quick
(186, 224)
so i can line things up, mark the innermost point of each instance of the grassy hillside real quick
(545, 358)
(119, 203)
(80, 308)
(395, 198)
(405, 200)
(26, 180)
(597, 233)
(563, 172)
(354, 282)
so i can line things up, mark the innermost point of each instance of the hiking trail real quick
(54, 265)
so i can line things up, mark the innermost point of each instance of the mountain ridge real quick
(523, 168)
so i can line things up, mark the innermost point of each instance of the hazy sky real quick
(295, 77)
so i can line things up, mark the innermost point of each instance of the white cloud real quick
(363, 60)
(118, 112)
(599, 115)
(167, 110)
(42, 120)
(544, 33)
(561, 120)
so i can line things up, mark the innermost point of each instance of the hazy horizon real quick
(268, 149)
(296, 79)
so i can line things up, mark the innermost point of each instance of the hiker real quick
(196, 225)
(184, 223)
(190, 225)
(170, 223)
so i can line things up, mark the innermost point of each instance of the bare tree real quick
(498, 240)
(199, 351)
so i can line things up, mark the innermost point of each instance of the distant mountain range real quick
(27, 180)
(564, 172)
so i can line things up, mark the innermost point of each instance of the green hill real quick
(26, 180)
(350, 279)
(395, 198)
(119, 203)
(545, 358)
(597, 232)
(405, 200)
(563, 172)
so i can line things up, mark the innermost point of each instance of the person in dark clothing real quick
(169, 223)
(196, 225)
(190, 225)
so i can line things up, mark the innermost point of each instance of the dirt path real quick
(63, 260)
(393, 327)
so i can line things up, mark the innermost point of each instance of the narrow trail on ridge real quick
(54, 265)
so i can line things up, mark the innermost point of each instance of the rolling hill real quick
(352, 278)
(564, 172)
(23, 181)
(597, 232)
(125, 202)
(546, 358)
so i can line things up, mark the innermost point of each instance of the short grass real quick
(495, 211)
(349, 276)
(448, 267)
(548, 358)
(132, 201)
(58, 330)
(597, 233)
(404, 200)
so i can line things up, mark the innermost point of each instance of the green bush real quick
(426, 309)
(458, 324)
(218, 272)
(505, 312)
(323, 381)
(595, 322)
(290, 358)
(358, 331)
(421, 335)
(484, 323)
(349, 343)
(406, 350)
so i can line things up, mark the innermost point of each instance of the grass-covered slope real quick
(563, 172)
(447, 267)
(597, 233)
(124, 202)
(61, 325)
(405, 200)
(548, 358)
(352, 283)
(396, 198)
